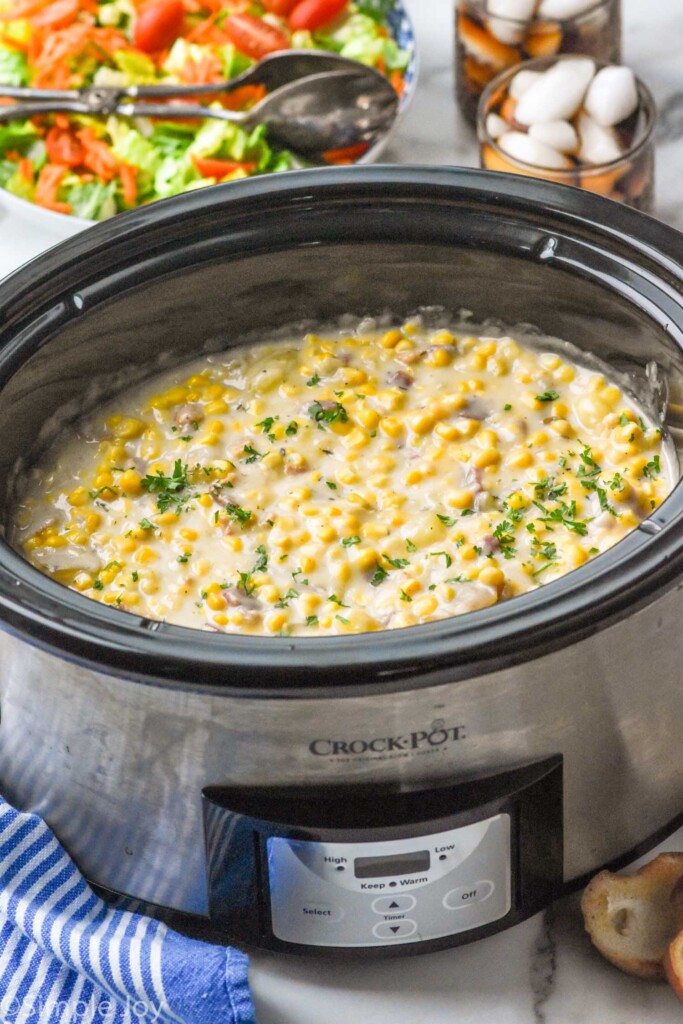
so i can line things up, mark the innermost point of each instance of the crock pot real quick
(388, 792)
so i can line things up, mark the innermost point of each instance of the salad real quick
(95, 167)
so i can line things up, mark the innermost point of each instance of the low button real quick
(464, 895)
(393, 904)
(321, 912)
(395, 929)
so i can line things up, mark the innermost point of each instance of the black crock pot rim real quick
(646, 562)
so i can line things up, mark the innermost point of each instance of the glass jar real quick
(487, 44)
(629, 179)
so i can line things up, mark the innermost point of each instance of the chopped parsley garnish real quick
(504, 534)
(410, 546)
(588, 475)
(438, 554)
(467, 512)
(566, 515)
(292, 428)
(624, 420)
(299, 572)
(284, 601)
(458, 579)
(398, 563)
(98, 585)
(330, 412)
(252, 454)
(446, 520)
(101, 490)
(135, 575)
(507, 407)
(238, 514)
(342, 619)
(348, 542)
(311, 620)
(312, 381)
(168, 488)
(185, 557)
(549, 489)
(146, 525)
(331, 484)
(379, 577)
(405, 597)
(267, 427)
(653, 468)
(260, 565)
(548, 396)
(335, 600)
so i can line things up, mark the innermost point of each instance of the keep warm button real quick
(321, 912)
(464, 895)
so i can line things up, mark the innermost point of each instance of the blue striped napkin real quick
(68, 958)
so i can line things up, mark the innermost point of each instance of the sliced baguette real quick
(673, 962)
(633, 920)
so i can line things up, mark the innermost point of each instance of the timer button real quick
(393, 904)
(394, 929)
(464, 895)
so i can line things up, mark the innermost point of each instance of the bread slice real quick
(633, 920)
(673, 962)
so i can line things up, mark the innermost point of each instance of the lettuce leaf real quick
(13, 67)
(17, 135)
(92, 200)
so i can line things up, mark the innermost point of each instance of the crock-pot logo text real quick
(420, 741)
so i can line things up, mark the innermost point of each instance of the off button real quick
(464, 895)
(393, 904)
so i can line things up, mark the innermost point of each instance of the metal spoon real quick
(326, 111)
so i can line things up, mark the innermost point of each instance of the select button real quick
(393, 904)
(321, 912)
(465, 895)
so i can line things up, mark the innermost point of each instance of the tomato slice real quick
(313, 14)
(211, 167)
(280, 7)
(254, 37)
(158, 25)
(63, 148)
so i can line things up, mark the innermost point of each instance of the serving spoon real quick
(345, 105)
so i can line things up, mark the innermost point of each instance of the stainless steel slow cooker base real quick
(173, 763)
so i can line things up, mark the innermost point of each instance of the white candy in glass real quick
(563, 10)
(559, 135)
(522, 82)
(558, 93)
(496, 126)
(507, 19)
(521, 146)
(599, 145)
(612, 95)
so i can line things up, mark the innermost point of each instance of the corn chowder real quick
(355, 481)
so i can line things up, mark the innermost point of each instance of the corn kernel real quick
(487, 457)
(420, 422)
(467, 553)
(276, 622)
(233, 542)
(574, 555)
(128, 429)
(520, 460)
(83, 581)
(368, 417)
(492, 577)
(145, 556)
(424, 606)
(79, 497)
(205, 500)
(439, 357)
(391, 426)
(365, 558)
(131, 482)
(460, 499)
(308, 564)
(390, 339)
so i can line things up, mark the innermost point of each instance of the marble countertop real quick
(543, 971)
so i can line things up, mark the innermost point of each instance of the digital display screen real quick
(396, 864)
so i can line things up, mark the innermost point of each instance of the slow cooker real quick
(383, 793)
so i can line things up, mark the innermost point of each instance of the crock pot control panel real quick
(372, 894)
(351, 868)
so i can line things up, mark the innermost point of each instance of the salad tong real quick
(316, 101)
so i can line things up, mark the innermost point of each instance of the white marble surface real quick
(543, 971)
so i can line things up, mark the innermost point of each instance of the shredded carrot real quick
(58, 15)
(23, 9)
(26, 169)
(47, 187)
(97, 156)
(129, 182)
(244, 97)
(201, 72)
(398, 82)
(63, 147)
(13, 154)
(347, 155)
(15, 44)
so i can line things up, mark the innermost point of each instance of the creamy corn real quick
(344, 483)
